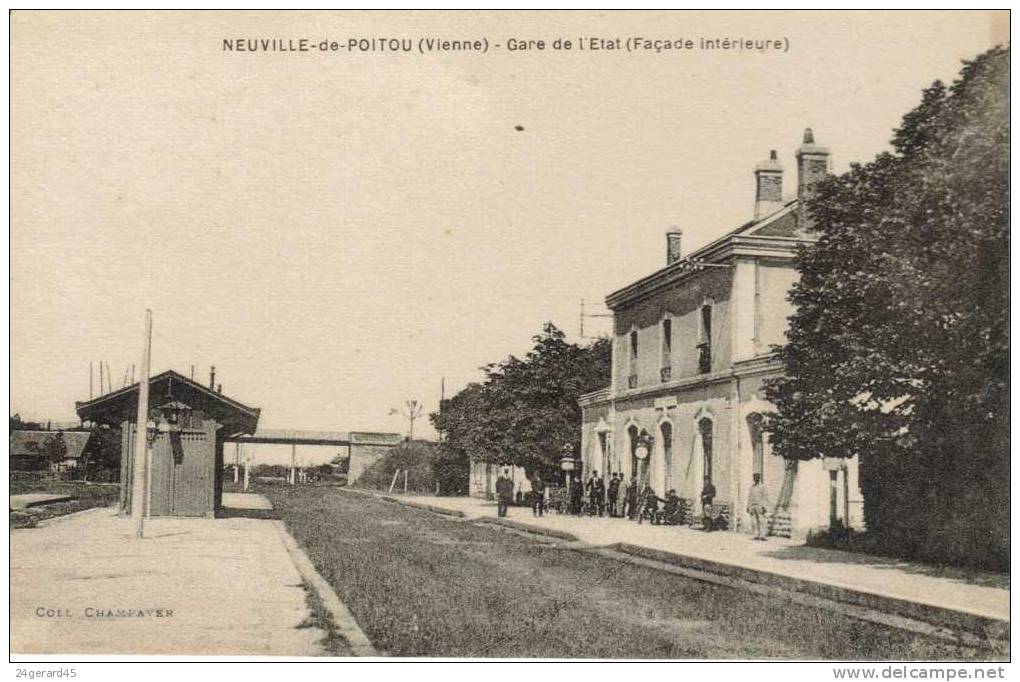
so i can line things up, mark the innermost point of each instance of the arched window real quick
(667, 453)
(632, 378)
(605, 445)
(632, 435)
(705, 429)
(666, 364)
(705, 345)
(754, 426)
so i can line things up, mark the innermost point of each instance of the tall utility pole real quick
(412, 410)
(442, 399)
(248, 463)
(140, 463)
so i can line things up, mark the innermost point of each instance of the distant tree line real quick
(526, 410)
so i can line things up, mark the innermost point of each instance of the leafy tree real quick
(102, 458)
(271, 470)
(526, 409)
(54, 448)
(322, 472)
(16, 424)
(899, 347)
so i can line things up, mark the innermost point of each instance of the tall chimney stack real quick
(673, 236)
(768, 182)
(812, 164)
(212, 377)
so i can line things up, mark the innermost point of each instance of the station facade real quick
(692, 351)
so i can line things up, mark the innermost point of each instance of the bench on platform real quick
(719, 512)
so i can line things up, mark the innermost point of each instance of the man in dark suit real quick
(613, 494)
(632, 499)
(707, 496)
(537, 495)
(504, 492)
(596, 488)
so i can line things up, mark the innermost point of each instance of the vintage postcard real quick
(572, 335)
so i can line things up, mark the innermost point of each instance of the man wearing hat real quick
(504, 492)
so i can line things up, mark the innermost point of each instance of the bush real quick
(427, 465)
(29, 475)
(103, 475)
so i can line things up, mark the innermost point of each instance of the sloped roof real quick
(781, 230)
(30, 443)
(120, 405)
(779, 223)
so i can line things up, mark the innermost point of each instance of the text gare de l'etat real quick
(427, 45)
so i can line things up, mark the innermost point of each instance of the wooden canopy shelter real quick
(185, 475)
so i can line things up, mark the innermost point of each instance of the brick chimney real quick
(212, 377)
(768, 182)
(673, 236)
(812, 164)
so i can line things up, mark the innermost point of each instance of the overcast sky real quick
(336, 233)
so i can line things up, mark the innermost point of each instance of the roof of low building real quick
(32, 443)
(170, 386)
(779, 231)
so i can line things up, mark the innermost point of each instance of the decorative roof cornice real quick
(595, 397)
(760, 364)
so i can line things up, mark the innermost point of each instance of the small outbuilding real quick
(186, 461)
(33, 450)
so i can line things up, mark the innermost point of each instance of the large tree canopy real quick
(899, 347)
(526, 409)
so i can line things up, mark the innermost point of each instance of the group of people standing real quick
(629, 499)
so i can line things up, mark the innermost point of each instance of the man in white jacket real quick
(757, 507)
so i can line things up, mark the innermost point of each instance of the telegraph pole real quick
(442, 399)
(414, 409)
(411, 411)
(140, 460)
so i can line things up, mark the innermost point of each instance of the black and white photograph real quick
(654, 337)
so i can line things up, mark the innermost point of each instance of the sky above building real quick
(338, 232)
